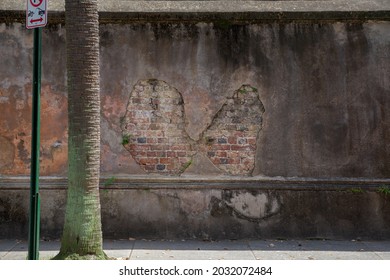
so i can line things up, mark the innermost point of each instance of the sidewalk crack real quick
(132, 249)
(250, 248)
(11, 249)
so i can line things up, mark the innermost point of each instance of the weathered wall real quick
(15, 102)
(324, 89)
(267, 102)
(212, 213)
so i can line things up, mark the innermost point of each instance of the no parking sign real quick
(36, 13)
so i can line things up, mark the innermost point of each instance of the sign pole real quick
(34, 223)
(36, 17)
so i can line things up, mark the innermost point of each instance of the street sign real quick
(36, 13)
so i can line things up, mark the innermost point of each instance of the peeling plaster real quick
(154, 130)
(251, 206)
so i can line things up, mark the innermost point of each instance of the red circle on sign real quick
(36, 3)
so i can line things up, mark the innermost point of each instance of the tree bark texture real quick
(82, 233)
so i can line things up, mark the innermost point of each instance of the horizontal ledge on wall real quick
(239, 11)
(159, 6)
(220, 182)
(234, 18)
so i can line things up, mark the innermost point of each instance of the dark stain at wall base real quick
(255, 206)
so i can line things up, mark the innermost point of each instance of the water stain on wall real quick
(253, 206)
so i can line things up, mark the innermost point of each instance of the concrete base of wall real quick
(222, 208)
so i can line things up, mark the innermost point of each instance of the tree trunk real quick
(82, 235)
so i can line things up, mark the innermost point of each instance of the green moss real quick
(185, 166)
(384, 190)
(126, 139)
(247, 88)
(356, 190)
(109, 181)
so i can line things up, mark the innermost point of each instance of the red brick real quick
(159, 147)
(251, 140)
(152, 140)
(162, 154)
(165, 160)
(232, 140)
(153, 133)
(221, 147)
(247, 160)
(240, 148)
(234, 161)
(141, 154)
(141, 147)
(221, 154)
(181, 154)
(170, 167)
(239, 134)
(154, 126)
(148, 161)
(171, 154)
(179, 147)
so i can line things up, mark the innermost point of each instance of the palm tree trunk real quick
(82, 235)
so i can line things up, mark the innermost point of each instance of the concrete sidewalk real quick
(218, 250)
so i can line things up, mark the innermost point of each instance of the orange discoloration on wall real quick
(15, 128)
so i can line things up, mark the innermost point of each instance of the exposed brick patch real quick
(154, 125)
(231, 138)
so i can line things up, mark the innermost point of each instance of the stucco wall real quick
(217, 129)
(150, 207)
(324, 87)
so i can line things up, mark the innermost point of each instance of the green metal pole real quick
(33, 235)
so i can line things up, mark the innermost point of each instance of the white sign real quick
(36, 13)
